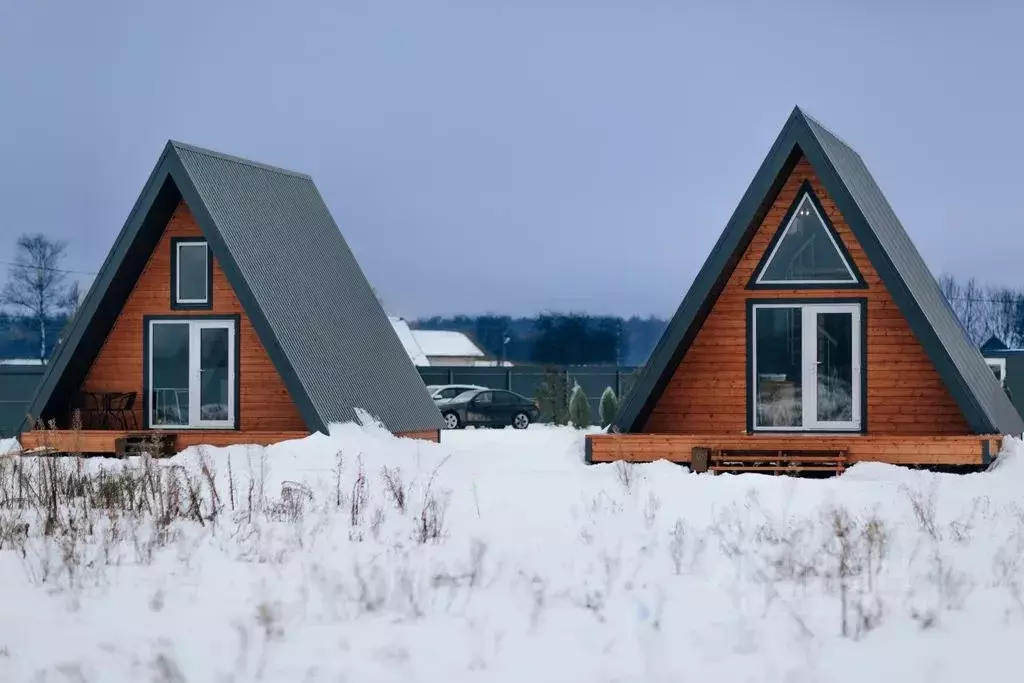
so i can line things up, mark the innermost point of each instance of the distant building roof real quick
(408, 339)
(422, 345)
(994, 343)
(445, 343)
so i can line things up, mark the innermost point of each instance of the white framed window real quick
(806, 252)
(998, 366)
(191, 371)
(191, 273)
(806, 366)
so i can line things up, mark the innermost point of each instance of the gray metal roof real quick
(306, 296)
(985, 405)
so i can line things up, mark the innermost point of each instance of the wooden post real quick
(700, 457)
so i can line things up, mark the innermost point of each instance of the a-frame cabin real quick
(229, 310)
(814, 325)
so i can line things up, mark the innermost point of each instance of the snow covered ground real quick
(499, 556)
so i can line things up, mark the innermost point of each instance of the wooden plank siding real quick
(102, 441)
(264, 403)
(422, 435)
(707, 393)
(894, 449)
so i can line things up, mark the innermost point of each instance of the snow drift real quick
(500, 556)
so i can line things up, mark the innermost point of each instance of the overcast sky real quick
(518, 155)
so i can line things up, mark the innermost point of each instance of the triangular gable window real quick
(807, 252)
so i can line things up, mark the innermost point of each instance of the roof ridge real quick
(811, 119)
(178, 145)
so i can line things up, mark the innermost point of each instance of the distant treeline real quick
(558, 338)
(19, 335)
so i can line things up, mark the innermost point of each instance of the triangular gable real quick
(806, 252)
(287, 262)
(899, 265)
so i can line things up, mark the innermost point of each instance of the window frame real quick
(860, 388)
(998, 363)
(757, 282)
(195, 324)
(177, 303)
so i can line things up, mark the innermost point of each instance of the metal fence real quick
(527, 379)
(17, 385)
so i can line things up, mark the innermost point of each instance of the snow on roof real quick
(441, 343)
(412, 347)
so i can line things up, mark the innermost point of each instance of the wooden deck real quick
(103, 441)
(970, 450)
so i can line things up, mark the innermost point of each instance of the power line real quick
(55, 270)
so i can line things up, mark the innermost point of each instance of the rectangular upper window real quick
(190, 274)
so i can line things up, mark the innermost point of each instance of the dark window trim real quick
(236, 320)
(203, 306)
(749, 372)
(806, 188)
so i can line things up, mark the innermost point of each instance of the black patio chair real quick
(89, 410)
(122, 409)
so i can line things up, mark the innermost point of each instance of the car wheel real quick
(451, 421)
(521, 421)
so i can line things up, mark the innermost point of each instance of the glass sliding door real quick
(168, 374)
(191, 373)
(806, 365)
(778, 378)
(835, 368)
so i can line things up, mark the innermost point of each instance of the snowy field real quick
(499, 556)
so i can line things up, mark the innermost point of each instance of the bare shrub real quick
(295, 497)
(923, 507)
(625, 474)
(394, 487)
(677, 546)
(651, 510)
(268, 617)
(684, 541)
(430, 525)
(1008, 561)
(358, 504)
(338, 467)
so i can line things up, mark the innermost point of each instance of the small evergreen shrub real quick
(608, 406)
(553, 397)
(579, 408)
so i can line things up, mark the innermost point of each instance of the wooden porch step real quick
(780, 461)
(157, 445)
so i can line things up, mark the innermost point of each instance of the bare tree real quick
(36, 286)
(986, 310)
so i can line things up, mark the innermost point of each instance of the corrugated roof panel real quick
(919, 281)
(302, 276)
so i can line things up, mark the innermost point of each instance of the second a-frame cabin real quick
(229, 310)
(814, 332)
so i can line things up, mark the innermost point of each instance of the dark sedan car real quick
(489, 408)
